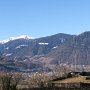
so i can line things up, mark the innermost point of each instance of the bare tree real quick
(6, 80)
(10, 81)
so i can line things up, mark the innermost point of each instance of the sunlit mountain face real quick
(27, 54)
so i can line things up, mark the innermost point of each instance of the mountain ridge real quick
(46, 53)
(15, 38)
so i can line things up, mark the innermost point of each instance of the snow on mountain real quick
(8, 54)
(7, 48)
(62, 40)
(54, 47)
(4, 41)
(21, 46)
(20, 37)
(43, 43)
(15, 38)
(5, 54)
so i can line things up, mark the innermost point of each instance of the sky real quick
(38, 18)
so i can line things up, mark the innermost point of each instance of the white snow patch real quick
(8, 54)
(21, 46)
(4, 41)
(54, 47)
(7, 48)
(62, 40)
(25, 60)
(43, 43)
(4, 54)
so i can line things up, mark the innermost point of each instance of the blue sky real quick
(39, 18)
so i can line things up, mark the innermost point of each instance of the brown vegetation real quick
(9, 81)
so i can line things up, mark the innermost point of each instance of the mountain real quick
(22, 47)
(45, 53)
(15, 38)
(75, 51)
(21, 50)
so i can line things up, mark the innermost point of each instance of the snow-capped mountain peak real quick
(20, 37)
(15, 38)
(4, 41)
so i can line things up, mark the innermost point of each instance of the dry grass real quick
(74, 80)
